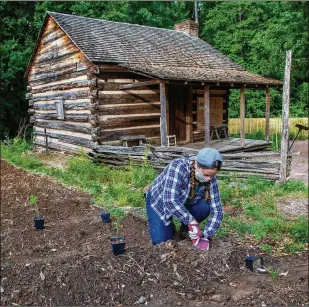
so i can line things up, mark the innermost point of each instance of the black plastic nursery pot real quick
(106, 217)
(39, 222)
(118, 245)
(253, 263)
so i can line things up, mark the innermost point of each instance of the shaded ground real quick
(70, 262)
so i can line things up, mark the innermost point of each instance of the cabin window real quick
(59, 109)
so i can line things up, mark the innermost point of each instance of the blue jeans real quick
(160, 233)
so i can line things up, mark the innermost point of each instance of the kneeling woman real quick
(187, 189)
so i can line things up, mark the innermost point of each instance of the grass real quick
(257, 219)
(273, 272)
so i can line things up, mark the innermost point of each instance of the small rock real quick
(27, 264)
(263, 304)
(53, 249)
(232, 285)
(142, 300)
(219, 298)
(1, 290)
(42, 276)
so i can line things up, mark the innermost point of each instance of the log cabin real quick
(94, 82)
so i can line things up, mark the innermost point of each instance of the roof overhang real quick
(200, 76)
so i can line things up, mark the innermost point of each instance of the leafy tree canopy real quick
(256, 35)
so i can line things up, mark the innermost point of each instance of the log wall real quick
(60, 72)
(126, 112)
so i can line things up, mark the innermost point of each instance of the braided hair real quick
(193, 183)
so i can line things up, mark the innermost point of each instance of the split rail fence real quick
(237, 165)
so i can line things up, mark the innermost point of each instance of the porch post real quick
(242, 117)
(206, 115)
(267, 115)
(189, 118)
(163, 125)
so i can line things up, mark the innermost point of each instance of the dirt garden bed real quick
(70, 262)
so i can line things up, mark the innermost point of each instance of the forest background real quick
(255, 35)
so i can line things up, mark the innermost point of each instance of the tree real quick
(253, 34)
(257, 35)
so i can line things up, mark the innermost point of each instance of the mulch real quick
(70, 262)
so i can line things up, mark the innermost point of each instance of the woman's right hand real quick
(194, 230)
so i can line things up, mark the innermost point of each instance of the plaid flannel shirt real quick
(170, 193)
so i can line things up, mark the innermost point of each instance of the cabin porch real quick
(231, 144)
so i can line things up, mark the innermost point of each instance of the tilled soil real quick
(70, 261)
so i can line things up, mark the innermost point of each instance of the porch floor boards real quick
(231, 145)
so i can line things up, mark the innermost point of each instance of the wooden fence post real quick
(206, 115)
(285, 118)
(242, 117)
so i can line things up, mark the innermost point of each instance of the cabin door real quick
(177, 101)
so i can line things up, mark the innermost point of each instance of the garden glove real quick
(194, 231)
(201, 243)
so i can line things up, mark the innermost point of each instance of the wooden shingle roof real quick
(161, 53)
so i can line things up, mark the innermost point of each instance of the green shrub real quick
(294, 185)
(83, 168)
(226, 194)
(256, 185)
(252, 210)
(299, 230)
(142, 176)
(294, 247)
(17, 151)
(265, 248)
(238, 225)
(222, 232)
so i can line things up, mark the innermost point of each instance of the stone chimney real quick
(189, 27)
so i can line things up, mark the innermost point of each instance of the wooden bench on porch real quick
(217, 129)
(139, 139)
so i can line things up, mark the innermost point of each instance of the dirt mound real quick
(70, 262)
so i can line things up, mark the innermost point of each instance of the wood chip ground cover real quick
(70, 262)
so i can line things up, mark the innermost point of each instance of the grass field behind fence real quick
(253, 125)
